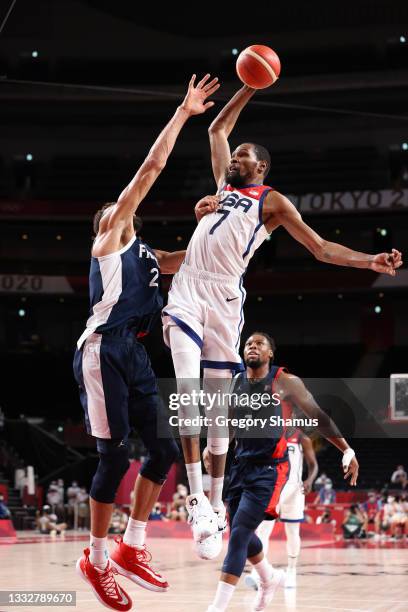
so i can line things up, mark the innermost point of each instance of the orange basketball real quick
(258, 66)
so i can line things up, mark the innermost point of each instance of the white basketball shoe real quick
(266, 590)
(210, 547)
(201, 517)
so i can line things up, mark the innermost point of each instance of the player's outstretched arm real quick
(311, 462)
(169, 262)
(292, 388)
(221, 128)
(194, 103)
(284, 213)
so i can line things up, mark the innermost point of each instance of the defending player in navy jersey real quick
(204, 315)
(117, 385)
(260, 469)
(291, 505)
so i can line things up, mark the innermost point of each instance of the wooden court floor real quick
(355, 578)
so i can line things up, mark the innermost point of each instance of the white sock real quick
(195, 478)
(99, 552)
(292, 562)
(216, 485)
(223, 595)
(135, 533)
(264, 570)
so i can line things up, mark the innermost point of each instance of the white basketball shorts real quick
(291, 505)
(209, 308)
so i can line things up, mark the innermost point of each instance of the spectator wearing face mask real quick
(321, 481)
(157, 513)
(326, 495)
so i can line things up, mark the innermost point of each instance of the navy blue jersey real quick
(124, 290)
(257, 442)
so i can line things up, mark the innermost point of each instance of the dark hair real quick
(267, 337)
(262, 154)
(137, 222)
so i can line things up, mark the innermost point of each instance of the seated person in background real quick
(372, 512)
(180, 496)
(47, 523)
(119, 521)
(321, 481)
(397, 518)
(353, 523)
(326, 518)
(326, 495)
(4, 511)
(157, 513)
(399, 477)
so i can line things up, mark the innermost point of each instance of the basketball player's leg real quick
(263, 532)
(243, 543)
(104, 396)
(292, 507)
(146, 413)
(186, 355)
(217, 384)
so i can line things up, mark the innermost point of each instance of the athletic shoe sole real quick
(137, 580)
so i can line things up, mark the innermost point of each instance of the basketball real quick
(258, 66)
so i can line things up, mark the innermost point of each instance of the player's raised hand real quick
(387, 263)
(195, 101)
(206, 205)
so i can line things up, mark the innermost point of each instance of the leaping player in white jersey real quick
(291, 505)
(204, 316)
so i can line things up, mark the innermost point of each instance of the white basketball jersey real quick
(224, 241)
(295, 452)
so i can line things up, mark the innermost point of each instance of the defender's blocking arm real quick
(194, 104)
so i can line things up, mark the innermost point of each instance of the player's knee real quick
(217, 446)
(159, 461)
(113, 465)
(254, 547)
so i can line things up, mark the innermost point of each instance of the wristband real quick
(347, 457)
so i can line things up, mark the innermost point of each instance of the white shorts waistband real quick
(212, 277)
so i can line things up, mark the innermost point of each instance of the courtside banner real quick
(340, 202)
(328, 407)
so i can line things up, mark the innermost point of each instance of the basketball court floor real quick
(332, 576)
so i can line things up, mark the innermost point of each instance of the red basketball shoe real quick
(103, 584)
(134, 564)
